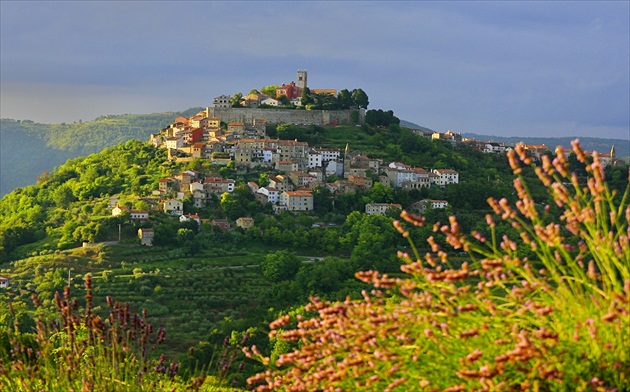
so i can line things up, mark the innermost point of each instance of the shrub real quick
(498, 321)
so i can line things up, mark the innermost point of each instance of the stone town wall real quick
(284, 116)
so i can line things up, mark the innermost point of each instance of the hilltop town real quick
(293, 168)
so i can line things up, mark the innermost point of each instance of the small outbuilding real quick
(146, 236)
(5, 281)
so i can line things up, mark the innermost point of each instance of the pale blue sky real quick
(498, 68)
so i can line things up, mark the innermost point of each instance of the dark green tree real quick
(281, 265)
(380, 193)
(307, 97)
(360, 98)
(284, 101)
(344, 98)
(236, 100)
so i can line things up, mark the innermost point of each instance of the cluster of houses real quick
(204, 136)
(292, 92)
(535, 150)
(294, 167)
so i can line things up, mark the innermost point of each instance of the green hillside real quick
(203, 284)
(27, 149)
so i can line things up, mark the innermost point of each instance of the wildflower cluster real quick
(557, 320)
(85, 352)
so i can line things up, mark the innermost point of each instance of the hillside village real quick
(294, 168)
(254, 215)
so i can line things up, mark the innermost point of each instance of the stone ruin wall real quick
(285, 116)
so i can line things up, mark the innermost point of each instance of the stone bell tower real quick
(302, 76)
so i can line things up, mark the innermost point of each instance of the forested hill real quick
(27, 149)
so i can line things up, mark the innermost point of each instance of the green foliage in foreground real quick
(557, 321)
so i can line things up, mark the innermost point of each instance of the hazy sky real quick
(498, 68)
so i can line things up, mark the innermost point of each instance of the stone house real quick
(218, 185)
(166, 185)
(355, 171)
(222, 224)
(287, 166)
(280, 183)
(198, 121)
(297, 200)
(536, 151)
(222, 101)
(445, 177)
(253, 186)
(146, 236)
(270, 102)
(361, 181)
(174, 143)
(173, 207)
(200, 198)
(267, 195)
(188, 217)
(245, 222)
(423, 205)
(196, 186)
(380, 208)
(134, 215)
(404, 176)
(301, 179)
(238, 127)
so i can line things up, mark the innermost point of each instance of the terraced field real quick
(188, 296)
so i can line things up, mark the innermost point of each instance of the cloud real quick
(465, 66)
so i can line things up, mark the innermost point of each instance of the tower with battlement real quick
(302, 76)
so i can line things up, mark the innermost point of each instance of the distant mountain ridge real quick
(622, 147)
(602, 145)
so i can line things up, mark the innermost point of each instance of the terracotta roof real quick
(299, 193)
(446, 171)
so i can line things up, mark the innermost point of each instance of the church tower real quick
(302, 79)
(346, 161)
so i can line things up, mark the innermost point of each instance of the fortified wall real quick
(285, 116)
